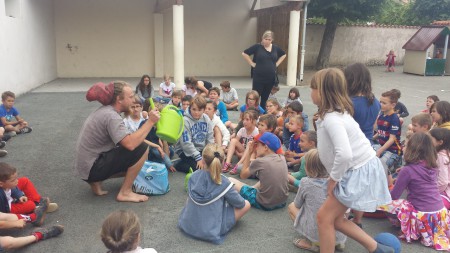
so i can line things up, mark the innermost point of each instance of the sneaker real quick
(10, 134)
(52, 207)
(40, 212)
(2, 144)
(3, 152)
(5, 137)
(340, 247)
(50, 232)
(26, 130)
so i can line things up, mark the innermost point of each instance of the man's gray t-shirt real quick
(101, 132)
(273, 176)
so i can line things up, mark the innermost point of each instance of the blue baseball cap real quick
(271, 141)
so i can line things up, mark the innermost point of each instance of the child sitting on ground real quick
(8, 221)
(229, 96)
(440, 112)
(198, 132)
(185, 103)
(274, 107)
(244, 135)
(441, 141)
(400, 108)
(308, 141)
(293, 95)
(221, 111)
(421, 123)
(135, 116)
(271, 192)
(388, 133)
(266, 123)
(20, 197)
(159, 150)
(430, 101)
(213, 206)
(294, 152)
(121, 232)
(251, 101)
(309, 199)
(166, 89)
(422, 215)
(294, 108)
(8, 112)
(221, 133)
(274, 91)
(176, 98)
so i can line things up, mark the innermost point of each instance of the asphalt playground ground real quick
(57, 110)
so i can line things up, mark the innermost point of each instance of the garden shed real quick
(426, 52)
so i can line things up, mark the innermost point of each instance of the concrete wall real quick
(27, 46)
(364, 44)
(115, 38)
(415, 62)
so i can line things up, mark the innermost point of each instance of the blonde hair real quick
(267, 33)
(213, 156)
(332, 89)
(313, 166)
(120, 231)
(166, 77)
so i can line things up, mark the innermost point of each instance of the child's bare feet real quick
(131, 197)
(96, 188)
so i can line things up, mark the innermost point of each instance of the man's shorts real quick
(249, 193)
(115, 161)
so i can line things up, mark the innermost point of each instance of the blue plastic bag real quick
(153, 179)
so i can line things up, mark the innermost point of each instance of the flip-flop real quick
(311, 247)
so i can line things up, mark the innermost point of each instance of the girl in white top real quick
(135, 116)
(357, 179)
(166, 89)
(121, 233)
(221, 133)
(244, 135)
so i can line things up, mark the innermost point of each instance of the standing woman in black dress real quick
(266, 58)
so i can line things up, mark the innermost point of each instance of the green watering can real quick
(171, 123)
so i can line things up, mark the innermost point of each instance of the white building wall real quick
(111, 38)
(27, 46)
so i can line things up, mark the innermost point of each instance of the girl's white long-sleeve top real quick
(341, 144)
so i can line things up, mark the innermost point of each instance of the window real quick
(12, 8)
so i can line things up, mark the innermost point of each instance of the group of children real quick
(256, 141)
(20, 202)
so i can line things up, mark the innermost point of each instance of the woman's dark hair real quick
(141, 85)
(359, 81)
(295, 91)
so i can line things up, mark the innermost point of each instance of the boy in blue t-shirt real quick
(388, 133)
(294, 152)
(8, 113)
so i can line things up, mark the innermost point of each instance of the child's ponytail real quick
(213, 156)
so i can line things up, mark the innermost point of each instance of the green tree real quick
(335, 12)
(429, 10)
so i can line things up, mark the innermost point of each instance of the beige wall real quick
(109, 38)
(27, 43)
(368, 45)
(415, 62)
(115, 38)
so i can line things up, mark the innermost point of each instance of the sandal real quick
(234, 170)
(304, 243)
(226, 167)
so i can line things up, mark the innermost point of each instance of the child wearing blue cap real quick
(271, 192)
